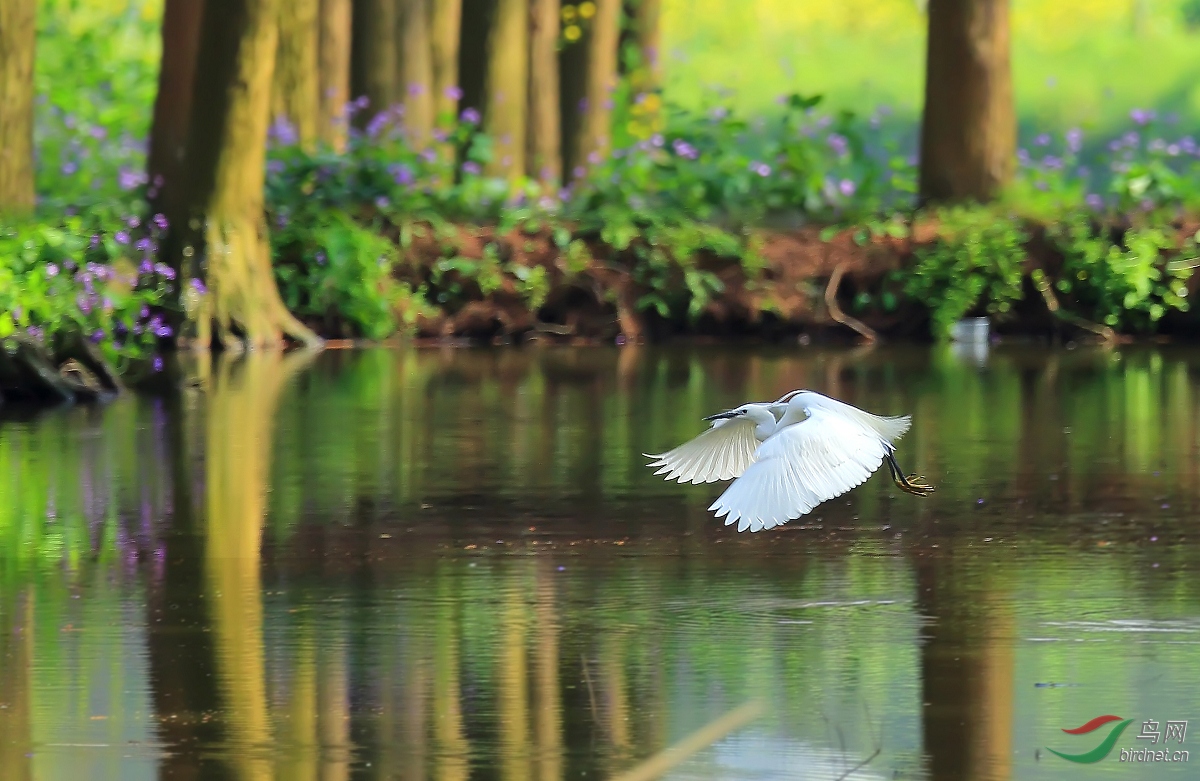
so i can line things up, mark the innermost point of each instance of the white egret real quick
(788, 456)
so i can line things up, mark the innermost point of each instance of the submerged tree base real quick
(242, 302)
(73, 372)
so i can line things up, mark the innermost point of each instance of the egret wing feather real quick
(800, 467)
(889, 428)
(721, 453)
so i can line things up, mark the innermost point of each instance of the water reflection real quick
(453, 565)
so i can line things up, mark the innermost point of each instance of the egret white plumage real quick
(788, 456)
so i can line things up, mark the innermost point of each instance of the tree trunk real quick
(446, 27)
(593, 140)
(18, 31)
(225, 166)
(545, 123)
(373, 56)
(295, 95)
(173, 104)
(647, 29)
(333, 71)
(415, 80)
(507, 88)
(474, 30)
(968, 136)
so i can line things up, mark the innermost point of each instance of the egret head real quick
(727, 414)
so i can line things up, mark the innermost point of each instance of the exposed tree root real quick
(1103, 331)
(836, 312)
(242, 303)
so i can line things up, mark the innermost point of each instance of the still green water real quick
(452, 565)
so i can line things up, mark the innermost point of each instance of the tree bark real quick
(173, 104)
(295, 94)
(334, 71)
(446, 24)
(225, 165)
(373, 56)
(18, 32)
(649, 40)
(507, 88)
(601, 79)
(545, 122)
(415, 80)
(968, 135)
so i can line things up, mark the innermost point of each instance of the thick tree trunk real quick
(373, 56)
(295, 95)
(968, 135)
(173, 105)
(334, 71)
(507, 88)
(18, 31)
(474, 30)
(446, 24)
(415, 60)
(601, 80)
(225, 166)
(545, 122)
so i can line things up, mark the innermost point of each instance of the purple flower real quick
(83, 303)
(1147, 204)
(161, 221)
(378, 123)
(274, 167)
(51, 270)
(470, 116)
(97, 336)
(429, 155)
(1023, 156)
(416, 88)
(164, 270)
(146, 268)
(360, 103)
(122, 237)
(847, 187)
(1052, 163)
(762, 169)
(95, 241)
(1188, 145)
(402, 174)
(320, 257)
(1074, 140)
(198, 286)
(1042, 140)
(718, 113)
(838, 144)
(594, 158)
(97, 132)
(145, 312)
(684, 149)
(282, 132)
(471, 168)
(127, 178)
(69, 167)
(1141, 116)
(657, 140)
(158, 363)
(133, 222)
(454, 93)
(382, 202)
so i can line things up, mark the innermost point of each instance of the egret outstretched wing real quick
(890, 428)
(800, 467)
(721, 453)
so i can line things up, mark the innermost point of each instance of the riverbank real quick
(1077, 278)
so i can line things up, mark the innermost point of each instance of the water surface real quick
(425, 564)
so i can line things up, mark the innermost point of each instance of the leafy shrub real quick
(976, 264)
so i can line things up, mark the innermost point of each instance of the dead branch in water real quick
(836, 312)
(702, 738)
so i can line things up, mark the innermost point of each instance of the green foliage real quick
(338, 269)
(69, 279)
(1129, 285)
(975, 265)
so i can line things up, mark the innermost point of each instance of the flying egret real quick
(786, 457)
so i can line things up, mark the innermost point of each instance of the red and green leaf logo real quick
(1106, 746)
